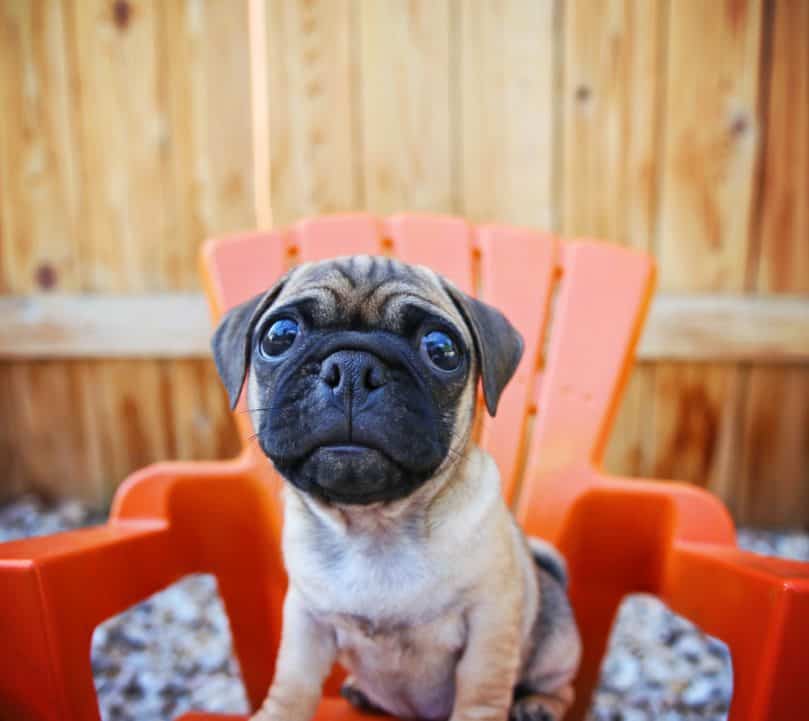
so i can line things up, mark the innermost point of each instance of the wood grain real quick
(124, 133)
(199, 424)
(774, 467)
(710, 143)
(39, 192)
(406, 121)
(694, 423)
(675, 126)
(773, 488)
(135, 121)
(710, 140)
(204, 52)
(727, 327)
(105, 325)
(57, 451)
(13, 482)
(704, 327)
(45, 435)
(204, 69)
(313, 108)
(506, 126)
(611, 103)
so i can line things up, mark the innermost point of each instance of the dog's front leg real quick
(305, 658)
(487, 671)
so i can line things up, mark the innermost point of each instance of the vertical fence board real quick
(313, 108)
(695, 407)
(13, 482)
(60, 453)
(711, 138)
(201, 422)
(125, 141)
(774, 475)
(38, 151)
(125, 210)
(205, 63)
(613, 65)
(611, 99)
(407, 129)
(507, 76)
(630, 447)
(709, 151)
(132, 415)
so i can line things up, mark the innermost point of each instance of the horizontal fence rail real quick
(708, 327)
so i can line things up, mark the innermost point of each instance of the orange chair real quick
(620, 536)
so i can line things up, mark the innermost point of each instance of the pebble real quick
(173, 652)
(621, 670)
(700, 691)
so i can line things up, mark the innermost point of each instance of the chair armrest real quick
(695, 514)
(759, 607)
(55, 591)
(552, 500)
(150, 492)
(677, 541)
(167, 521)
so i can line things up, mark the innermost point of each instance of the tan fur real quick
(431, 602)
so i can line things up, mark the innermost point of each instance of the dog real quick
(404, 562)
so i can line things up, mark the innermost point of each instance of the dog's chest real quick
(397, 615)
(392, 642)
(374, 586)
(406, 665)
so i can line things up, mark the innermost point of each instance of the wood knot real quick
(45, 276)
(583, 93)
(121, 13)
(739, 124)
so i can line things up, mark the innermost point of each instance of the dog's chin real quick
(352, 474)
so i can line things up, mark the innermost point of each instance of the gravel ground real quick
(172, 653)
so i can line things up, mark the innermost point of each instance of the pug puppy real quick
(404, 563)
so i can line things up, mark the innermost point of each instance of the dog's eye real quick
(441, 350)
(279, 337)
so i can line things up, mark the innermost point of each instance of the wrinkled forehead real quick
(366, 291)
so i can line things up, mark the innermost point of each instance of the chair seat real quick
(330, 709)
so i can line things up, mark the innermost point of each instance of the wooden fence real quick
(676, 126)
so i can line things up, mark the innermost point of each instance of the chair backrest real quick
(579, 306)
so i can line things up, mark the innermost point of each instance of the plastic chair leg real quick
(255, 652)
(595, 619)
(224, 519)
(760, 608)
(55, 591)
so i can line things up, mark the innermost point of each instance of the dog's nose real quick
(353, 375)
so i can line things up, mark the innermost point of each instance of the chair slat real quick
(518, 267)
(335, 235)
(602, 301)
(441, 242)
(242, 266)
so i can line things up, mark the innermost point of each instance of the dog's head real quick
(363, 373)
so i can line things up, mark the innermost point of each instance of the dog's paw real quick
(357, 698)
(532, 708)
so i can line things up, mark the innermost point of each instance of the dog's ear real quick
(232, 340)
(498, 344)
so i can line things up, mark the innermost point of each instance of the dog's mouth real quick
(351, 473)
(348, 449)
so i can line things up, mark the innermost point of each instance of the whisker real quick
(252, 410)
(456, 456)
